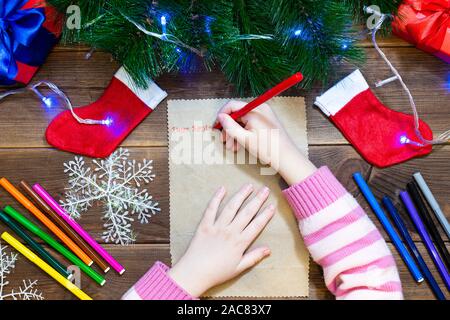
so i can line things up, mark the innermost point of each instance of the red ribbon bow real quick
(424, 23)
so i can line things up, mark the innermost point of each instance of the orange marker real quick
(46, 221)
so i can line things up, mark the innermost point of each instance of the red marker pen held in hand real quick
(269, 94)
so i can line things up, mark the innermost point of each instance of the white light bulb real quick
(164, 27)
(107, 122)
(404, 140)
(47, 101)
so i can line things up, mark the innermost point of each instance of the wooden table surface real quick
(24, 153)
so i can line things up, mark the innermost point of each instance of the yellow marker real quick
(44, 266)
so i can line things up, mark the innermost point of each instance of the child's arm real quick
(356, 261)
(217, 252)
(341, 238)
(156, 284)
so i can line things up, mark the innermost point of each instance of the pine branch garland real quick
(357, 6)
(256, 43)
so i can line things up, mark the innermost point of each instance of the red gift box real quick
(29, 29)
(425, 24)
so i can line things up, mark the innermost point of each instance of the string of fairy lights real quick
(58, 94)
(442, 138)
(165, 36)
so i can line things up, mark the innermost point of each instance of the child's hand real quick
(262, 134)
(260, 121)
(218, 250)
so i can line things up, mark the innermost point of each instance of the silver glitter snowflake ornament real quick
(27, 291)
(114, 182)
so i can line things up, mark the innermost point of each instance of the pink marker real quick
(78, 229)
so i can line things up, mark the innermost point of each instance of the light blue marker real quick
(409, 261)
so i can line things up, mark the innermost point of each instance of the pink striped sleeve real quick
(156, 285)
(341, 238)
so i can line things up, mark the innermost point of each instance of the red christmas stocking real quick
(123, 105)
(382, 136)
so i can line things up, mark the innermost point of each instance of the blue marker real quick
(387, 202)
(409, 261)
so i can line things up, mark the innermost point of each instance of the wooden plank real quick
(46, 167)
(23, 120)
(138, 258)
(384, 41)
(72, 69)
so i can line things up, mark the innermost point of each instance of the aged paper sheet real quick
(194, 177)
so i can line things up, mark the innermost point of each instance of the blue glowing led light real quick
(345, 44)
(178, 50)
(297, 32)
(447, 83)
(164, 27)
(108, 122)
(404, 140)
(208, 21)
(47, 101)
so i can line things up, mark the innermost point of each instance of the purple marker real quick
(78, 229)
(406, 198)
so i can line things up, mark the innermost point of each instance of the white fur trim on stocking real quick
(341, 93)
(151, 96)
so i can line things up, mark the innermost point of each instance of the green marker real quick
(54, 244)
(33, 244)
